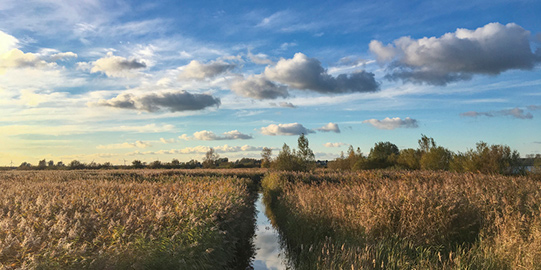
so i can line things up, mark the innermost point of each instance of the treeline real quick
(138, 164)
(488, 159)
(484, 158)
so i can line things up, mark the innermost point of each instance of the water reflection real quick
(268, 254)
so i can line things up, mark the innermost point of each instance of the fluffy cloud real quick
(7, 42)
(259, 87)
(491, 49)
(200, 71)
(331, 145)
(116, 66)
(392, 123)
(302, 73)
(285, 129)
(330, 127)
(206, 135)
(136, 144)
(305, 73)
(16, 58)
(172, 101)
(516, 113)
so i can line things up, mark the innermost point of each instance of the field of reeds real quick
(133, 219)
(406, 220)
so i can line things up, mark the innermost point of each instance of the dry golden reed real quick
(405, 220)
(119, 219)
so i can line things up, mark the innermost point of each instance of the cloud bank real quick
(285, 129)
(136, 144)
(206, 135)
(516, 113)
(152, 102)
(202, 150)
(490, 50)
(392, 123)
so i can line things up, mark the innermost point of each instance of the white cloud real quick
(136, 144)
(200, 71)
(205, 135)
(7, 42)
(16, 58)
(285, 129)
(332, 145)
(152, 102)
(392, 123)
(117, 66)
(330, 127)
(491, 49)
(63, 56)
(258, 87)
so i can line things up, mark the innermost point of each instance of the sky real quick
(115, 81)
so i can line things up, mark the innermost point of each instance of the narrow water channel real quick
(268, 252)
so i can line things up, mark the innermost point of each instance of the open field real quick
(204, 219)
(406, 220)
(125, 219)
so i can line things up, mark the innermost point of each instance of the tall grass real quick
(123, 220)
(407, 220)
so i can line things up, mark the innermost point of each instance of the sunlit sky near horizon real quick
(155, 80)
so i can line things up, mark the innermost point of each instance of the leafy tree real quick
(409, 159)
(42, 164)
(426, 143)
(155, 164)
(75, 164)
(437, 158)
(382, 155)
(137, 164)
(50, 163)
(285, 160)
(25, 165)
(488, 159)
(192, 164)
(266, 156)
(304, 152)
(175, 163)
(291, 160)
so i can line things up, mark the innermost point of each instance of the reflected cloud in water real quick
(269, 254)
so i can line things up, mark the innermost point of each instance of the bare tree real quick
(210, 159)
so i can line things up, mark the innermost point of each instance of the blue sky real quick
(124, 80)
